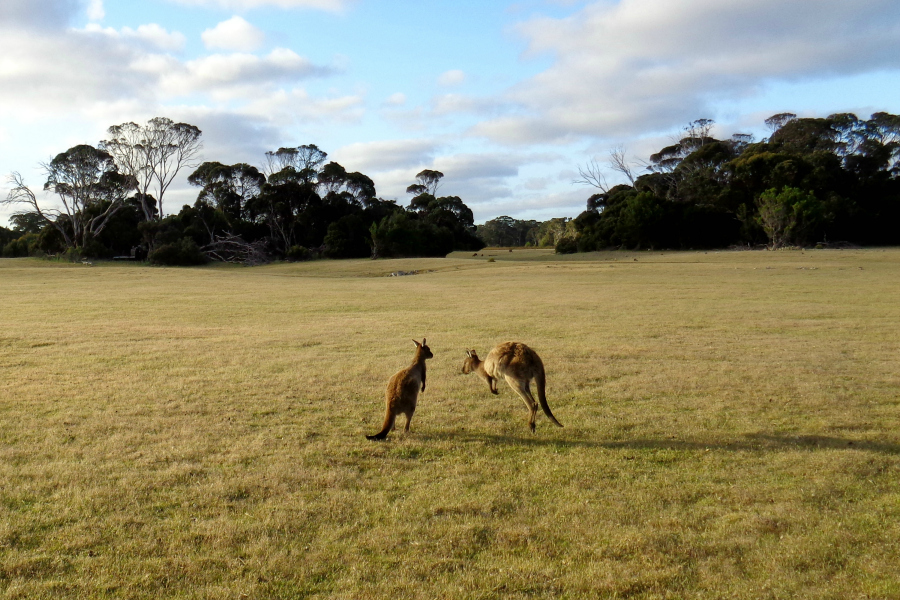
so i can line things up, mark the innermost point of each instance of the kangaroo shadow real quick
(754, 442)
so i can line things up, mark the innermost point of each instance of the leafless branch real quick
(22, 194)
(618, 162)
(591, 174)
(234, 249)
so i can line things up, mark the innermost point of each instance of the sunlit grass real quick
(731, 428)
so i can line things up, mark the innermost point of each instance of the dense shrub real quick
(298, 253)
(567, 246)
(183, 252)
(404, 235)
(348, 238)
(25, 245)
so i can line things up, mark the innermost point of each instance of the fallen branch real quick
(234, 249)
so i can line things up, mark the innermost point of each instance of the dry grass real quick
(731, 429)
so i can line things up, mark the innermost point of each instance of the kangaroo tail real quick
(386, 428)
(540, 383)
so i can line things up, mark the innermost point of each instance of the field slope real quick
(732, 429)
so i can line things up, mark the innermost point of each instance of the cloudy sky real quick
(505, 98)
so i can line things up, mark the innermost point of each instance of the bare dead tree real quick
(234, 249)
(22, 194)
(619, 162)
(591, 174)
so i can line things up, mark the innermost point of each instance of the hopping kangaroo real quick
(403, 391)
(518, 365)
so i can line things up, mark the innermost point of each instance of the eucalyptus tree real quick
(355, 188)
(153, 154)
(776, 122)
(87, 184)
(507, 231)
(304, 160)
(427, 182)
(229, 188)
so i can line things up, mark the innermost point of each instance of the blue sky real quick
(505, 98)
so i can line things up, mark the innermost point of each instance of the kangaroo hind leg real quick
(521, 387)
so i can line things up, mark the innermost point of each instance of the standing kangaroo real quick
(403, 391)
(518, 365)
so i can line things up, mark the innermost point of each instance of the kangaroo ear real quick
(423, 341)
(468, 353)
(416, 343)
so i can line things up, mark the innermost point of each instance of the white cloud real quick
(452, 78)
(536, 206)
(639, 66)
(475, 177)
(387, 155)
(297, 106)
(448, 104)
(228, 76)
(53, 73)
(484, 180)
(233, 34)
(241, 5)
(69, 85)
(95, 10)
(536, 184)
(397, 99)
(479, 166)
(39, 14)
(230, 136)
(150, 35)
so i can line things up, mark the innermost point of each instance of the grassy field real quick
(732, 429)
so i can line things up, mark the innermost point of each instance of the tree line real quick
(299, 206)
(812, 181)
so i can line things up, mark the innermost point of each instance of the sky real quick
(506, 98)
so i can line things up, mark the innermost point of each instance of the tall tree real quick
(229, 188)
(427, 182)
(89, 187)
(153, 154)
(304, 160)
(776, 122)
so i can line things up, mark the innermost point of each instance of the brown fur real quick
(403, 391)
(518, 365)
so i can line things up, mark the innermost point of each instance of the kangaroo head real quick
(426, 351)
(471, 362)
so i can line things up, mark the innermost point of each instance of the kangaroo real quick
(518, 365)
(403, 391)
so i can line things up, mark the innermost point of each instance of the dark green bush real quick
(567, 246)
(348, 237)
(298, 253)
(183, 252)
(25, 245)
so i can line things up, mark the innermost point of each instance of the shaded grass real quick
(731, 429)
